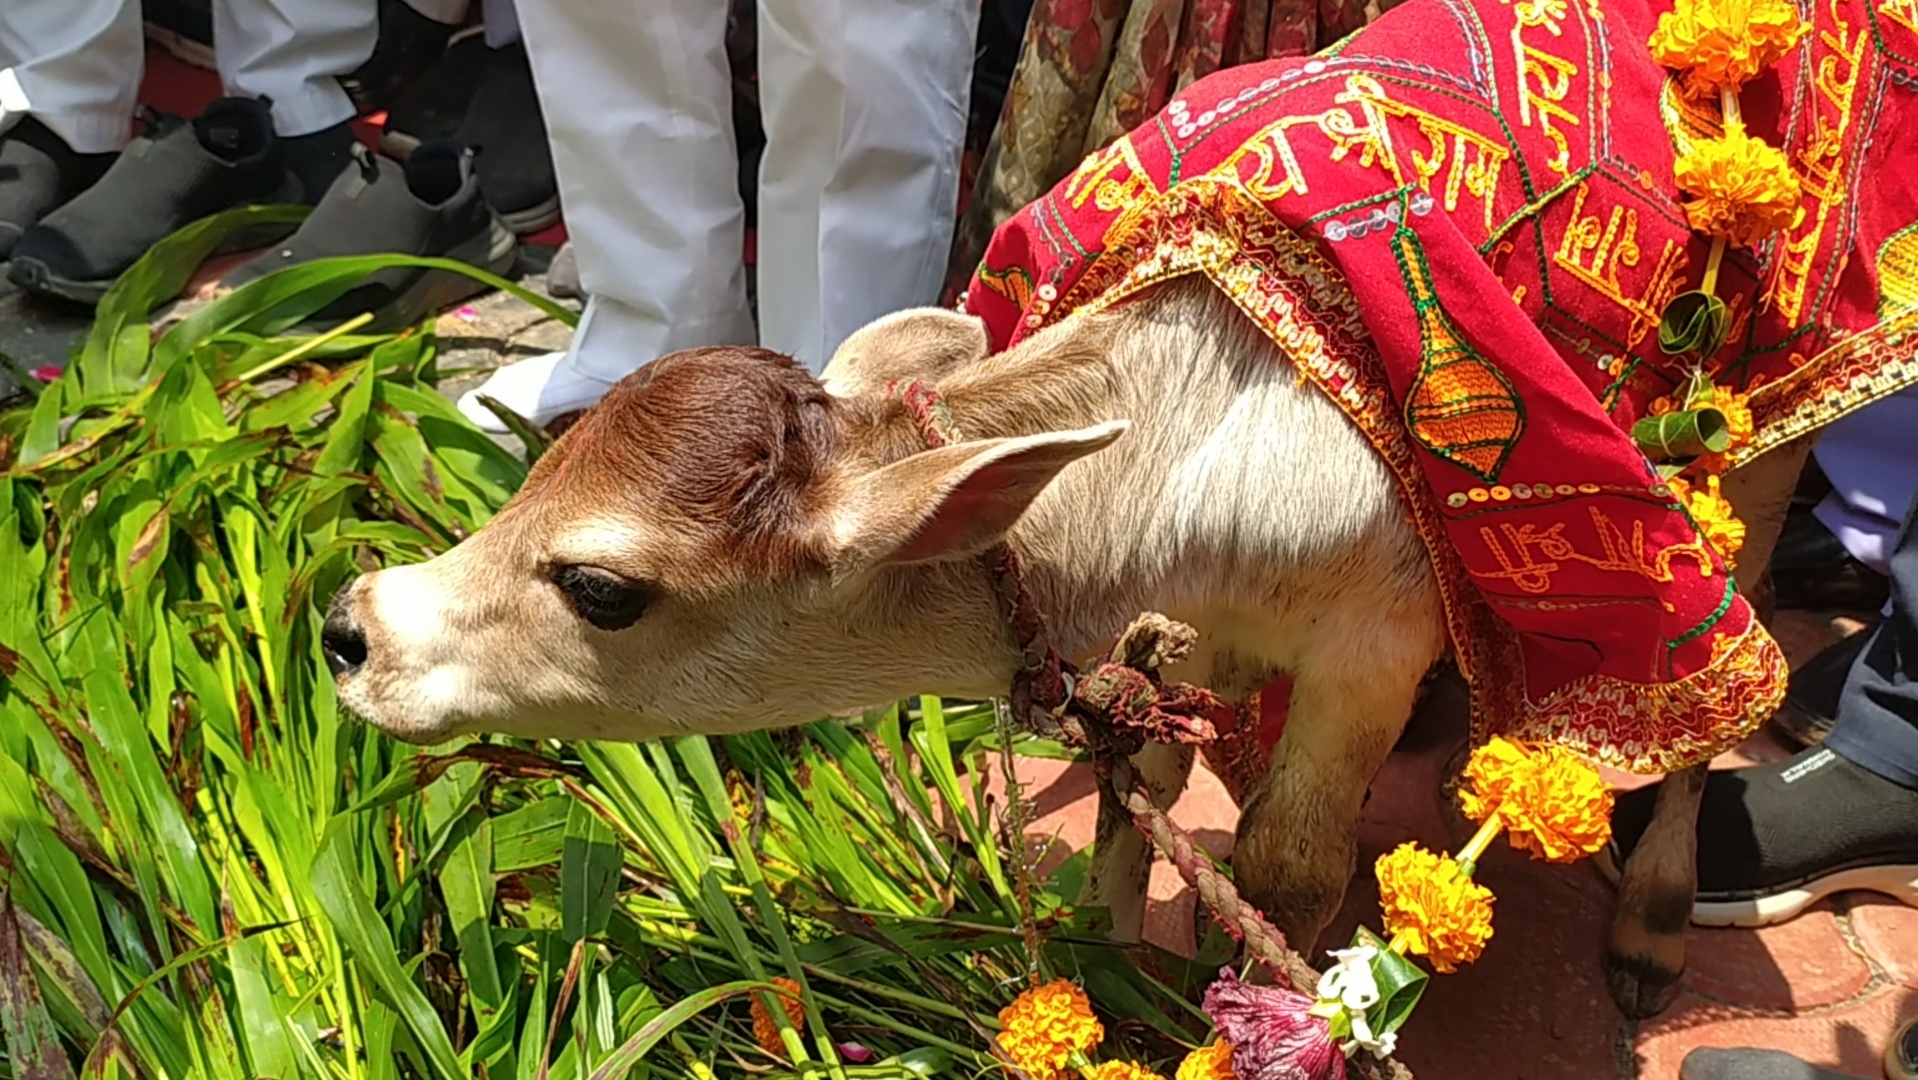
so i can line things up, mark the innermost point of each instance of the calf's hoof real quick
(1641, 983)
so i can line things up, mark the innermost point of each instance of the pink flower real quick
(1273, 1035)
(855, 1053)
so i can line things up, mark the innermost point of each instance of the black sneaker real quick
(507, 132)
(38, 173)
(408, 45)
(1775, 839)
(1901, 1057)
(429, 206)
(1811, 698)
(435, 105)
(178, 174)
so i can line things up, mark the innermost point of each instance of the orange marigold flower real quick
(1551, 802)
(1743, 189)
(1121, 1070)
(765, 1028)
(1429, 903)
(1045, 1026)
(1723, 44)
(1712, 513)
(1212, 1061)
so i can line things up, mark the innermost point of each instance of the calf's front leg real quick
(1297, 840)
(1121, 856)
(1645, 953)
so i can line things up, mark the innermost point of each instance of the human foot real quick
(1775, 839)
(430, 206)
(178, 174)
(541, 389)
(38, 173)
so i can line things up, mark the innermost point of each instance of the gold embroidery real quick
(1472, 163)
(1821, 163)
(1904, 12)
(1592, 252)
(1532, 573)
(1095, 179)
(1553, 76)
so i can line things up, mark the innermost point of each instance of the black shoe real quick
(1811, 699)
(1775, 839)
(430, 206)
(1710, 1063)
(507, 132)
(409, 44)
(1812, 571)
(436, 104)
(171, 178)
(39, 172)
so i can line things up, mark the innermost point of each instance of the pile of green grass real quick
(206, 871)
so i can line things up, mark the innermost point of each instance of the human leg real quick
(864, 104)
(69, 70)
(1774, 839)
(636, 97)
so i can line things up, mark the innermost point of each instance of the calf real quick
(727, 543)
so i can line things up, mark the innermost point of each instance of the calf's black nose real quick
(341, 639)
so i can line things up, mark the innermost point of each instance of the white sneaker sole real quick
(1897, 881)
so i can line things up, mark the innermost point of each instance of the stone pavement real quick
(1829, 986)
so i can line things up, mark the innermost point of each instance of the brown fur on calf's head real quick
(719, 545)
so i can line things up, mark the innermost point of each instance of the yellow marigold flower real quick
(765, 1028)
(1743, 189)
(1723, 44)
(1430, 903)
(1551, 802)
(1045, 1026)
(1212, 1061)
(1712, 513)
(1738, 416)
(1121, 1070)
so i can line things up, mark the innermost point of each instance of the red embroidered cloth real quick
(1461, 224)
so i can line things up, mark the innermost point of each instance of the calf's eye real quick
(602, 598)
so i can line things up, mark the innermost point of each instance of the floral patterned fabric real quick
(1092, 70)
(1461, 224)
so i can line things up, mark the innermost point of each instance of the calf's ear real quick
(957, 500)
(923, 343)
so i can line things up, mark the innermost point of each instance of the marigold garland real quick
(1743, 189)
(1552, 803)
(1432, 907)
(1712, 513)
(1045, 1026)
(765, 1028)
(1121, 1070)
(1723, 44)
(1212, 1061)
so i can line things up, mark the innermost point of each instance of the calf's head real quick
(720, 545)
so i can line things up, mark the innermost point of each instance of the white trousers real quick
(864, 104)
(1871, 459)
(77, 64)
